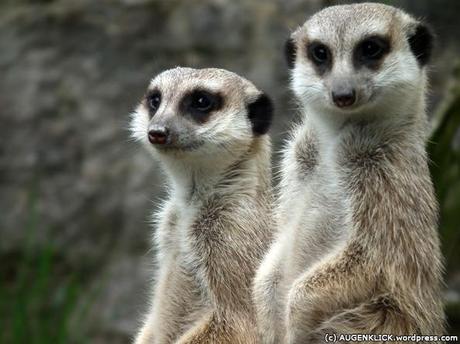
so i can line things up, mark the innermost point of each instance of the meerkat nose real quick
(344, 98)
(158, 135)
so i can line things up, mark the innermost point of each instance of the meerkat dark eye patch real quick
(153, 101)
(370, 51)
(260, 113)
(199, 104)
(320, 55)
(421, 44)
(290, 53)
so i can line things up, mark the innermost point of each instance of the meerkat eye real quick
(373, 48)
(154, 101)
(201, 101)
(200, 104)
(319, 53)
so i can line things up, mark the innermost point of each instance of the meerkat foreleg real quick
(266, 295)
(317, 294)
(172, 300)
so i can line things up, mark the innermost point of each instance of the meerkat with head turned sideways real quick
(357, 249)
(208, 128)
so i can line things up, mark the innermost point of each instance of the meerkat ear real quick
(421, 43)
(260, 113)
(290, 52)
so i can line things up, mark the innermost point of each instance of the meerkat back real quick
(208, 129)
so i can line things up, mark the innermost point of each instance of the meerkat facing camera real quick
(358, 249)
(208, 129)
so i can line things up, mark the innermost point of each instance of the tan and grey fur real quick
(216, 224)
(357, 249)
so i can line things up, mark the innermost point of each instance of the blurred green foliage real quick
(38, 295)
(444, 152)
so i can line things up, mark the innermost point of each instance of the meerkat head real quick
(353, 58)
(200, 112)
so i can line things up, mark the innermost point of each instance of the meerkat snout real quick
(158, 134)
(343, 94)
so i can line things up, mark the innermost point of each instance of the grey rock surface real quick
(70, 73)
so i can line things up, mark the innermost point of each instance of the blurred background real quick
(75, 193)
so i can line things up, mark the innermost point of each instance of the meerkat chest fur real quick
(211, 217)
(311, 203)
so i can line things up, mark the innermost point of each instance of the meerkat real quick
(208, 129)
(357, 250)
